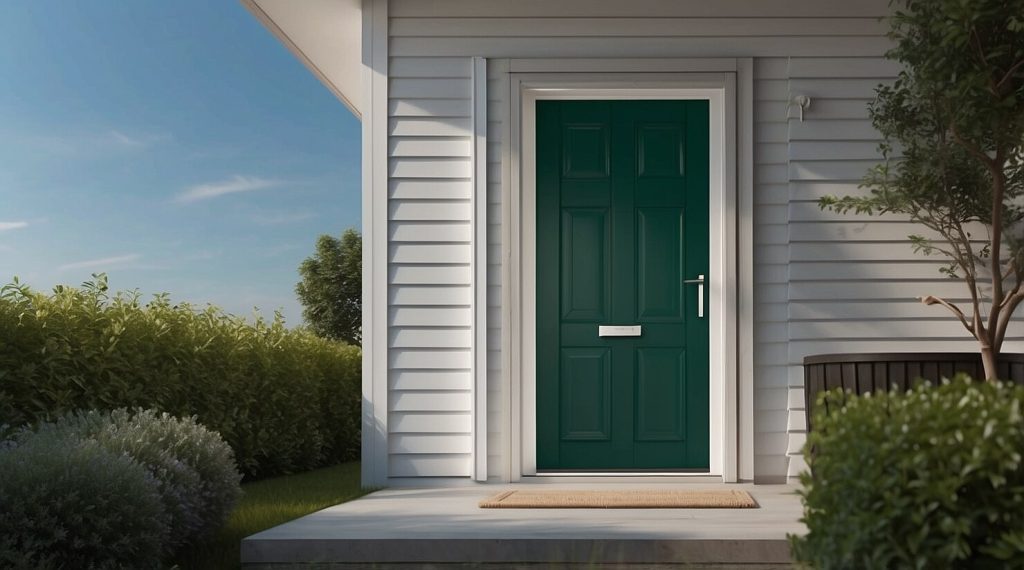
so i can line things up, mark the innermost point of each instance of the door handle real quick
(699, 281)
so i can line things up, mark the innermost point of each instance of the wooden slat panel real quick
(844, 88)
(429, 127)
(826, 130)
(847, 108)
(412, 422)
(433, 401)
(871, 290)
(430, 338)
(410, 107)
(842, 67)
(430, 274)
(635, 27)
(876, 230)
(421, 444)
(430, 232)
(430, 317)
(834, 150)
(429, 88)
(430, 253)
(853, 251)
(838, 309)
(423, 210)
(430, 167)
(853, 270)
(420, 189)
(425, 295)
(459, 147)
(454, 465)
(626, 47)
(447, 359)
(429, 67)
(650, 8)
(938, 327)
(430, 380)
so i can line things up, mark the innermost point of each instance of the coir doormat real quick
(635, 499)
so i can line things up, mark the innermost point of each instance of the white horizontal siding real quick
(771, 263)
(649, 8)
(830, 151)
(525, 27)
(430, 255)
(829, 50)
(854, 279)
(638, 46)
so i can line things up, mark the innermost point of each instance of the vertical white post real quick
(375, 246)
(479, 269)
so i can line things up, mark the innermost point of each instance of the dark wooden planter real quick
(862, 373)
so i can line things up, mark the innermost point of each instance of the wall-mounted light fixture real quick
(803, 102)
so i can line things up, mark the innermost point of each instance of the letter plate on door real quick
(612, 330)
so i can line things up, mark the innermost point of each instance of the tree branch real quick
(933, 300)
(1009, 74)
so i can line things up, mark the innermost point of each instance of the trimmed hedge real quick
(284, 399)
(928, 479)
(193, 467)
(71, 503)
(126, 489)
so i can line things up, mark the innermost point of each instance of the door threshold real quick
(626, 478)
(623, 474)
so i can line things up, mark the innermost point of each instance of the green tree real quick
(953, 126)
(332, 286)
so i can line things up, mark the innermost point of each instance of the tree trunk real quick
(988, 359)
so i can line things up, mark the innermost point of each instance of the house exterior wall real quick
(822, 282)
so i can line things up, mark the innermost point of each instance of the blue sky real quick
(174, 145)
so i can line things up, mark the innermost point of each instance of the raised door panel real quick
(586, 382)
(660, 394)
(659, 264)
(585, 268)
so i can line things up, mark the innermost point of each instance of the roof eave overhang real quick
(325, 35)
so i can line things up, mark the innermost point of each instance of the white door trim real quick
(720, 89)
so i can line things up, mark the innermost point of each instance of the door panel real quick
(586, 394)
(661, 394)
(622, 220)
(586, 265)
(660, 263)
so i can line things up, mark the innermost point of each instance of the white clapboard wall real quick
(823, 283)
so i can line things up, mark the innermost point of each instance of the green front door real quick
(622, 222)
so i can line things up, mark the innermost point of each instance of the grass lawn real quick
(271, 502)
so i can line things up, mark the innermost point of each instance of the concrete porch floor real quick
(444, 528)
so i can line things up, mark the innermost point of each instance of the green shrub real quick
(262, 386)
(69, 503)
(929, 479)
(194, 468)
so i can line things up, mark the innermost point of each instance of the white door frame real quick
(727, 409)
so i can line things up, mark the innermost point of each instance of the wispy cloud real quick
(7, 226)
(102, 262)
(234, 185)
(283, 218)
(132, 141)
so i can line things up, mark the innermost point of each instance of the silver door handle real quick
(700, 294)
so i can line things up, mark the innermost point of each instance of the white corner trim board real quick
(479, 269)
(374, 469)
(730, 294)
